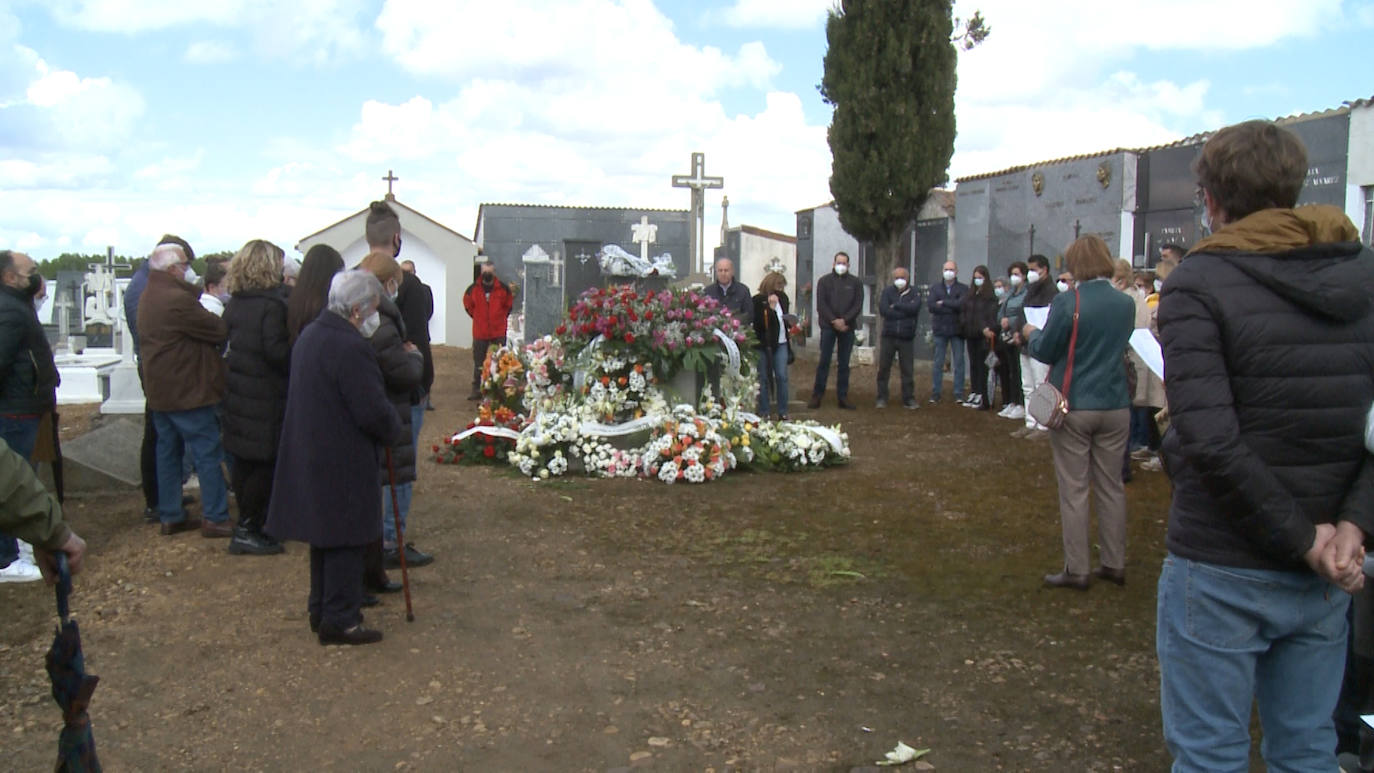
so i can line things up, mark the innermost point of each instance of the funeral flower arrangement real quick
(623, 389)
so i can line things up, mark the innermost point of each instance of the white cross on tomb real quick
(644, 234)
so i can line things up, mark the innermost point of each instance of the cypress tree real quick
(890, 74)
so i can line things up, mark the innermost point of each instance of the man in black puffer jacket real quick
(1268, 333)
(28, 377)
(900, 308)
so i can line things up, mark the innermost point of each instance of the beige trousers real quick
(1088, 448)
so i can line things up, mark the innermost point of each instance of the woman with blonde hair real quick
(770, 325)
(259, 360)
(1083, 342)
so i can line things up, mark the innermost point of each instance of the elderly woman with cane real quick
(326, 491)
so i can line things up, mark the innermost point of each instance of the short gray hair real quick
(164, 256)
(290, 267)
(350, 289)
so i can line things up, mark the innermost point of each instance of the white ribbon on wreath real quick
(731, 351)
(503, 432)
(580, 372)
(620, 430)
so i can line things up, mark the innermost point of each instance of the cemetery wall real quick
(1360, 182)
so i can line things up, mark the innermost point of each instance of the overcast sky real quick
(237, 119)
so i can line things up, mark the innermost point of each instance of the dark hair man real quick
(1268, 334)
(839, 300)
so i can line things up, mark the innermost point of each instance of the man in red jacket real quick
(488, 301)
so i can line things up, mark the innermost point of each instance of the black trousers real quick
(1009, 374)
(905, 352)
(978, 368)
(252, 482)
(336, 585)
(479, 355)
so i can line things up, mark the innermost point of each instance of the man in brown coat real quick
(183, 379)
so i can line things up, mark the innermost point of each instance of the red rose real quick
(629, 338)
(561, 329)
(489, 451)
(649, 315)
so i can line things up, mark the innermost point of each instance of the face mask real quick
(38, 303)
(1032, 276)
(1206, 223)
(191, 275)
(1000, 292)
(370, 325)
(978, 281)
(949, 276)
(1063, 286)
(1159, 285)
(223, 297)
(900, 284)
(1015, 280)
(34, 283)
(841, 269)
(488, 279)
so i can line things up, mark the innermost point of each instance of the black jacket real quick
(325, 489)
(839, 297)
(737, 300)
(901, 311)
(945, 304)
(402, 371)
(259, 360)
(28, 377)
(1269, 372)
(978, 312)
(766, 322)
(416, 302)
(1038, 295)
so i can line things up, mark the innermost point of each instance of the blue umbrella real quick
(71, 685)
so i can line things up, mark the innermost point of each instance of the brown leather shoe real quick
(814, 403)
(1066, 580)
(168, 529)
(1109, 574)
(212, 530)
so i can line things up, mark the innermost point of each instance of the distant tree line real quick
(73, 261)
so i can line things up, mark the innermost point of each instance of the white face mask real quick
(370, 325)
(978, 281)
(394, 292)
(1032, 276)
(1063, 286)
(949, 276)
(1015, 280)
(841, 269)
(1000, 292)
(1159, 285)
(899, 283)
(191, 276)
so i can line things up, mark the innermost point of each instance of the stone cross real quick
(699, 183)
(390, 178)
(644, 234)
(64, 307)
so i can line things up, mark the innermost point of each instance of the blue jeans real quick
(1227, 636)
(937, 370)
(197, 430)
(773, 377)
(829, 338)
(21, 435)
(403, 490)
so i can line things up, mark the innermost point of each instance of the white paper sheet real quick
(1368, 719)
(1145, 345)
(1037, 315)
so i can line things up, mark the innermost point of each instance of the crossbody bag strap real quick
(1073, 341)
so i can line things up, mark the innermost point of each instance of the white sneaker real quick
(1152, 465)
(1017, 412)
(1002, 414)
(22, 570)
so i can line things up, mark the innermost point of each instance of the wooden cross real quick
(390, 178)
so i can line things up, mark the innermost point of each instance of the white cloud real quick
(317, 30)
(210, 52)
(779, 14)
(61, 110)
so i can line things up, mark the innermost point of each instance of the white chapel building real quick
(443, 260)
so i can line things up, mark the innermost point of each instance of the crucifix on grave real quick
(699, 183)
(390, 178)
(101, 285)
(645, 234)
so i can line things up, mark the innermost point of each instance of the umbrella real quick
(71, 685)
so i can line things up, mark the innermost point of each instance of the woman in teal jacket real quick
(1089, 445)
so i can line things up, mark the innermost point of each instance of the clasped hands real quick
(1337, 554)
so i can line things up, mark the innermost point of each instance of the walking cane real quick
(400, 537)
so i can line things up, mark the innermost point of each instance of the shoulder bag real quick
(1047, 404)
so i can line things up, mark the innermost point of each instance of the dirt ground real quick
(762, 622)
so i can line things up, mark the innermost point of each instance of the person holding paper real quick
(1268, 331)
(1040, 292)
(1083, 341)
